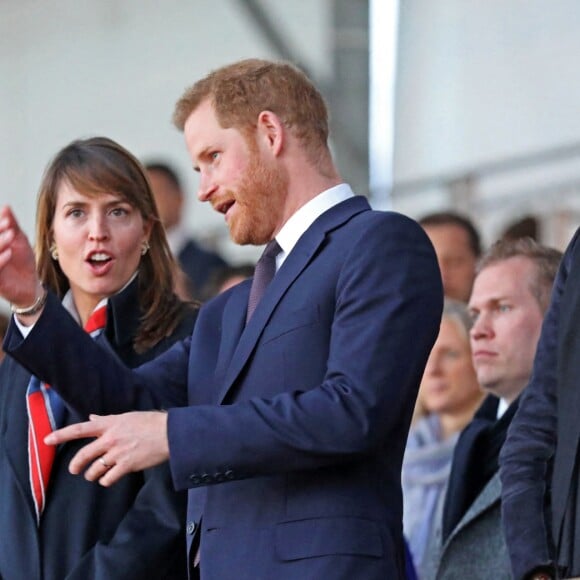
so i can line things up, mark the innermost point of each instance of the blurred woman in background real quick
(449, 395)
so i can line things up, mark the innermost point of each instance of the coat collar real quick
(302, 253)
(489, 497)
(123, 315)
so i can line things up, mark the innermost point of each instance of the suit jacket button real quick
(229, 474)
(190, 527)
(219, 476)
(195, 479)
(206, 478)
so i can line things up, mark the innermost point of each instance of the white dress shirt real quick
(302, 219)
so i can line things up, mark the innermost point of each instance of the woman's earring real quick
(144, 248)
(54, 252)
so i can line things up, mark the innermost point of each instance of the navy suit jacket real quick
(134, 530)
(292, 441)
(539, 461)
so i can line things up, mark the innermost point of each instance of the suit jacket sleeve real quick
(387, 310)
(92, 385)
(525, 460)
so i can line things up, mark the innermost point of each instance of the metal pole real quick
(383, 33)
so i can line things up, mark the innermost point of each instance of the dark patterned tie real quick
(263, 274)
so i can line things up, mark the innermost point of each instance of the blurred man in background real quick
(197, 262)
(458, 246)
(510, 296)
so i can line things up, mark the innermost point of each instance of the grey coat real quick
(476, 548)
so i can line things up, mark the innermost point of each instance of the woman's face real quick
(449, 384)
(99, 240)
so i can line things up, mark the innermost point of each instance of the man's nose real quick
(481, 327)
(206, 187)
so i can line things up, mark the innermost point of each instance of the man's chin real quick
(492, 386)
(243, 240)
(247, 238)
(239, 238)
(488, 382)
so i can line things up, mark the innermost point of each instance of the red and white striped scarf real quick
(46, 412)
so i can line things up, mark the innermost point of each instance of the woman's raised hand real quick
(19, 282)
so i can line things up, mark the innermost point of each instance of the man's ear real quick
(271, 132)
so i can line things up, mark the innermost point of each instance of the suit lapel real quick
(233, 322)
(296, 261)
(489, 496)
(289, 271)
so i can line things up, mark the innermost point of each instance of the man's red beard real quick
(260, 198)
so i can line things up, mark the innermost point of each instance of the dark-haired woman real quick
(101, 248)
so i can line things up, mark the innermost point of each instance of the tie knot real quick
(271, 250)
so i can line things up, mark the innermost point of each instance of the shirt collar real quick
(502, 407)
(302, 219)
